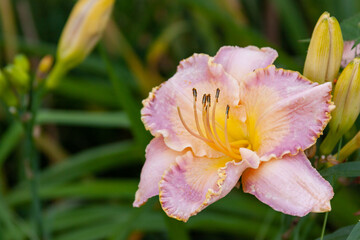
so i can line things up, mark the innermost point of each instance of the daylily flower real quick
(230, 116)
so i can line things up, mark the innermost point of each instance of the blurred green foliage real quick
(90, 137)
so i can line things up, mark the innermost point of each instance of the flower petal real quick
(239, 61)
(192, 183)
(349, 53)
(285, 111)
(160, 113)
(289, 185)
(158, 158)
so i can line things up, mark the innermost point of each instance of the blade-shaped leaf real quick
(339, 234)
(82, 118)
(348, 169)
(350, 28)
(355, 233)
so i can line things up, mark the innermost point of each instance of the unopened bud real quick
(22, 62)
(347, 102)
(325, 50)
(5, 92)
(83, 29)
(347, 97)
(44, 67)
(18, 77)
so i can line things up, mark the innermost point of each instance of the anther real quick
(208, 99)
(227, 111)
(204, 100)
(217, 94)
(194, 93)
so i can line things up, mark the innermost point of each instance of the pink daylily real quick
(230, 116)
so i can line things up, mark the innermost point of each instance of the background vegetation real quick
(90, 138)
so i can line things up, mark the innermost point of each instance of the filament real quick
(211, 136)
(196, 114)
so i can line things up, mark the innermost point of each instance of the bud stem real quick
(330, 141)
(350, 147)
(55, 75)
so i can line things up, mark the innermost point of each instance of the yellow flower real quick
(325, 50)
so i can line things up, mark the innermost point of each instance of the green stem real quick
(349, 148)
(330, 141)
(333, 181)
(55, 75)
(32, 160)
(324, 226)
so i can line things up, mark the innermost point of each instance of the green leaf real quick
(160, 45)
(9, 140)
(82, 118)
(339, 234)
(293, 23)
(98, 230)
(176, 230)
(86, 162)
(72, 216)
(91, 161)
(350, 28)
(87, 91)
(126, 100)
(348, 169)
(97, 222)
(238, 34)
(95, 189)
(13, 226)
(355, 233)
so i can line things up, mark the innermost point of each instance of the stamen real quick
(204, 100)
(213, 123)
(217, 94)
(225, 129)
(188, 129)
(196, 114)
(208, 129)
(194, 93)
(207, 132)
(227, 111)
(208, 99)
(211, 136)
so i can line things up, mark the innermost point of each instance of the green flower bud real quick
(22, 62)
(17, 76)
(6, 93)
